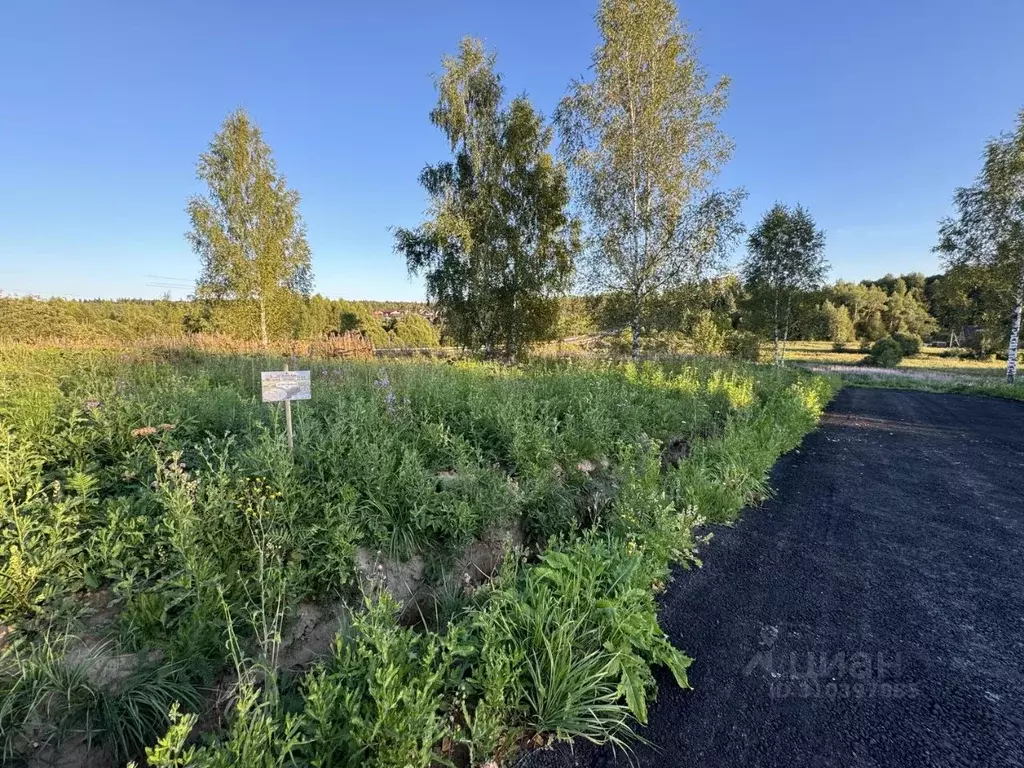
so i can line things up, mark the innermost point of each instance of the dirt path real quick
(893, 555)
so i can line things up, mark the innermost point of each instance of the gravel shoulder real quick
(871, 614)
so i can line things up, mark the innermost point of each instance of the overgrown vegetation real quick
(160, 544)
(886, 353)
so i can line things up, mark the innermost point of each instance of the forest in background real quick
(958, 308)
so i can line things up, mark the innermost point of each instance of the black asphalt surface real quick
(872, 614)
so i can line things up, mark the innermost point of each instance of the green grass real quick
(157, 486)
(985, 387)
(934, 359)
(930, 371)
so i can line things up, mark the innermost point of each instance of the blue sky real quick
(869, 113)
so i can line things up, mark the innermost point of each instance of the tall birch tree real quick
(785, 258)
(988, 229)
(498, 247)
(247, 230)
(643, 145)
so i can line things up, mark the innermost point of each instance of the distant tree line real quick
(397, 324)
(963, 305)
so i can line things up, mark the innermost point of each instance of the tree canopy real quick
(247, 231)
(785, 257)
(643, 144)
(500, 244)
(988, 229)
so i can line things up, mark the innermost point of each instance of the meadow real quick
(931, 359)
(458, 560)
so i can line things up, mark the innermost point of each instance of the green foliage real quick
(707, 336)
(248, 232)
(567, 645)
(500, 245)
(906, 311)
(168, 322)
(840, 324)
(866, 304)
(46, 695)
(785, 258)
(988, 231)
(910, 344)
(886, 353)
(743, 345)
(725, 474)
(378, 701)
(643, 143)
(167, 485)
(415, 331)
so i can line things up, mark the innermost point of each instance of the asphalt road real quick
(872, 614)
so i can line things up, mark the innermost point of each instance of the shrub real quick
(707, 337)
(886, 353)
(910, 343)
(743, 345)
(413, 330)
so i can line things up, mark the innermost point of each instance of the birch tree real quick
(247, 230)
(785, 258)
(988, 229)
(643, 145)
(499, 246)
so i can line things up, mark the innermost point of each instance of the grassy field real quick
(932, 359)
(458, 560)
(930, 371)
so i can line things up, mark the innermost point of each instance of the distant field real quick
(930, 359)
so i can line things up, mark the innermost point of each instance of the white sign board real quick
(285, 385)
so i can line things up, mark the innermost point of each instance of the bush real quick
(412, 330)
(886, 353)
(743, 345)
(910, 343)
(707, 337)
(838, 347)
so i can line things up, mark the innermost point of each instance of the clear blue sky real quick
(869, 113)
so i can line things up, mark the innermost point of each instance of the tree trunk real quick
(263, 323)
(775, 358)
(635, 353)
(785, 332)
(1011, 353)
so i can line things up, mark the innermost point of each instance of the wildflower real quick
(93, 405)
(167, 427)
(144, 431)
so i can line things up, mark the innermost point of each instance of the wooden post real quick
(288, 420)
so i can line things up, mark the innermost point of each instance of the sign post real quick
(283, 387)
